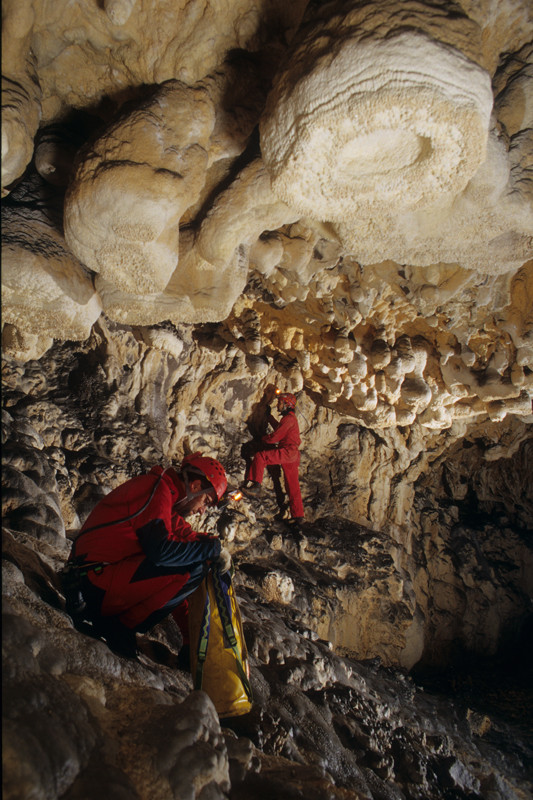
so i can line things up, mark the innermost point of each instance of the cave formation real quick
(202, 201)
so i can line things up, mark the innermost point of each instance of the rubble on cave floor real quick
(331, 726)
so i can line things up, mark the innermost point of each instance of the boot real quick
(253, 489)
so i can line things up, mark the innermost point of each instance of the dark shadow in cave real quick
(495, 694)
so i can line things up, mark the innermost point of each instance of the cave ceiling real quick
(348, 184)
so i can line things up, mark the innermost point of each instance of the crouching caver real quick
(136, 559)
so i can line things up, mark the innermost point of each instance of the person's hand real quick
(224, 560)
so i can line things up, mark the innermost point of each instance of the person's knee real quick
(260, 458)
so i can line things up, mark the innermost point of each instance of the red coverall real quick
(287, 435)
(153, 560)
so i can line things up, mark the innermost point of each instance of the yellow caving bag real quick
(219, 658)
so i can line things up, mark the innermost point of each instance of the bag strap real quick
(221, 587)
(203, 640)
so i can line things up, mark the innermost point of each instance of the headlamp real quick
(230, 497)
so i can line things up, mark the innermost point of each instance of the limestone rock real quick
(46, 292)
(131, 187)
(385, 157)
(371, 176)
(21, 91)
(240, 215)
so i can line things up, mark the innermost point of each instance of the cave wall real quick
(202, 201)
(418, 545)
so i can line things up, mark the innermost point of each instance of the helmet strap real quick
(188, 494)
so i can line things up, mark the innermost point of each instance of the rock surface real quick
(334, 616)
(205, 201)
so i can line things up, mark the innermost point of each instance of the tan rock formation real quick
(240, 215)
(353, 133)
(213, 267)
(330, 167)
(389, 566)
(107, 52)
(21, 92)
(237, 227)
(123, 207)
(45, 290)
(505, 27)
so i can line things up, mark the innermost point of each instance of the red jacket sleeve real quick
(278, 432)
(164, 551)
(271, 419)
(169, 541)
(286, 433)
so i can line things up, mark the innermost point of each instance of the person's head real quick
(286, 402)
(205, 483)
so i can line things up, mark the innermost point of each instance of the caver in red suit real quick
(150, 558)
(286, 435)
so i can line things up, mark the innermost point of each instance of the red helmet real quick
(209, 468)
(288, 399)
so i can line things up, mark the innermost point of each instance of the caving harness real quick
(71, 576)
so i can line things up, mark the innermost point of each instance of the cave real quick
(203, 203)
